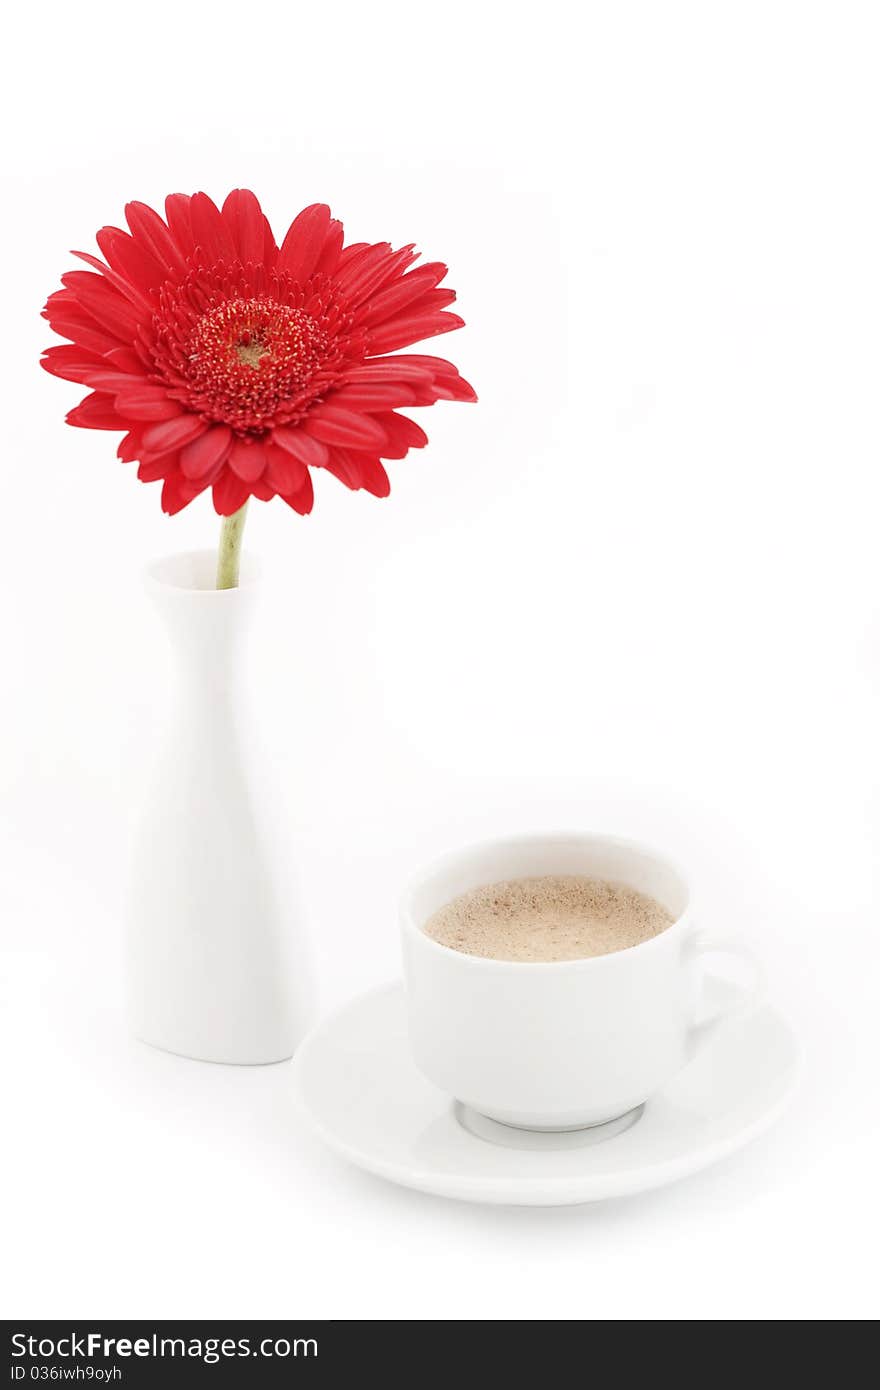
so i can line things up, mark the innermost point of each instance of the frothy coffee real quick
(556, 917)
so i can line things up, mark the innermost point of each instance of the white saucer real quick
(356, 1081)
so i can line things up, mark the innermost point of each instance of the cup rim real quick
(450, 857)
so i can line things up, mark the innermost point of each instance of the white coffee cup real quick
(555, 1045)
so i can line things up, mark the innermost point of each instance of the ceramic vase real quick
(218, 961)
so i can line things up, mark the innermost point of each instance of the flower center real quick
(252, 349)
(246, 359)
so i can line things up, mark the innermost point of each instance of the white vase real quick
(218, 958)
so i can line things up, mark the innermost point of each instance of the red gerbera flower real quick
(238, 365)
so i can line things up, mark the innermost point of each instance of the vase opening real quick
(196, 571)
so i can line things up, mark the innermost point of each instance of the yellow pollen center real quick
(251, 352)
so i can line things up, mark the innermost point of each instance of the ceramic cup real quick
(559, 1044)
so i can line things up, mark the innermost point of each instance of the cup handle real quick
(746, 997)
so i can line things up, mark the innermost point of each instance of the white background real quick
(635, 588)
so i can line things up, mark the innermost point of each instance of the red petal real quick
(136, 263)
(247, 459)
(229, 493)
(302, 446)
(119, 282)
(440, 370)
(95, 412)
(401, 293)
(209, 230)
(430, 303)
(247, 225)
(60, 302)
(262, 490)
(154, 469)
(203, 454)
(125, 360)
(179, 221)
(303, 500)
(356, 270)
(129, 447)
(400, 332)
(435, 365)
(360, 470)
(389, 369)
(84, 332)
(103, 303)
(346, 428)
(105, 378)
(354, 251)
(378, 395)
(460, 389)
(70, 361)
(172, 434)
(284, 473)
(376, 269)
(402, 433)
(145, 402)
(304, 242)
(328, 260)
(397, 263)
(339, 465)
(177, 492)
(373, 476)
(148, 229)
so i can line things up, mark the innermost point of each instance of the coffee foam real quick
(552, 918)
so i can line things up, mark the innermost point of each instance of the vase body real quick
(218, 961)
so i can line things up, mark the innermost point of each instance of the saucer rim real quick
(525, 1190)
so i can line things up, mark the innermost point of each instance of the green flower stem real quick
(229, 554)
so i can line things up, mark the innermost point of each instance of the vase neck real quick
(207, 630)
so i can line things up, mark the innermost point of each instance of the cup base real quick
(519, 1137)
